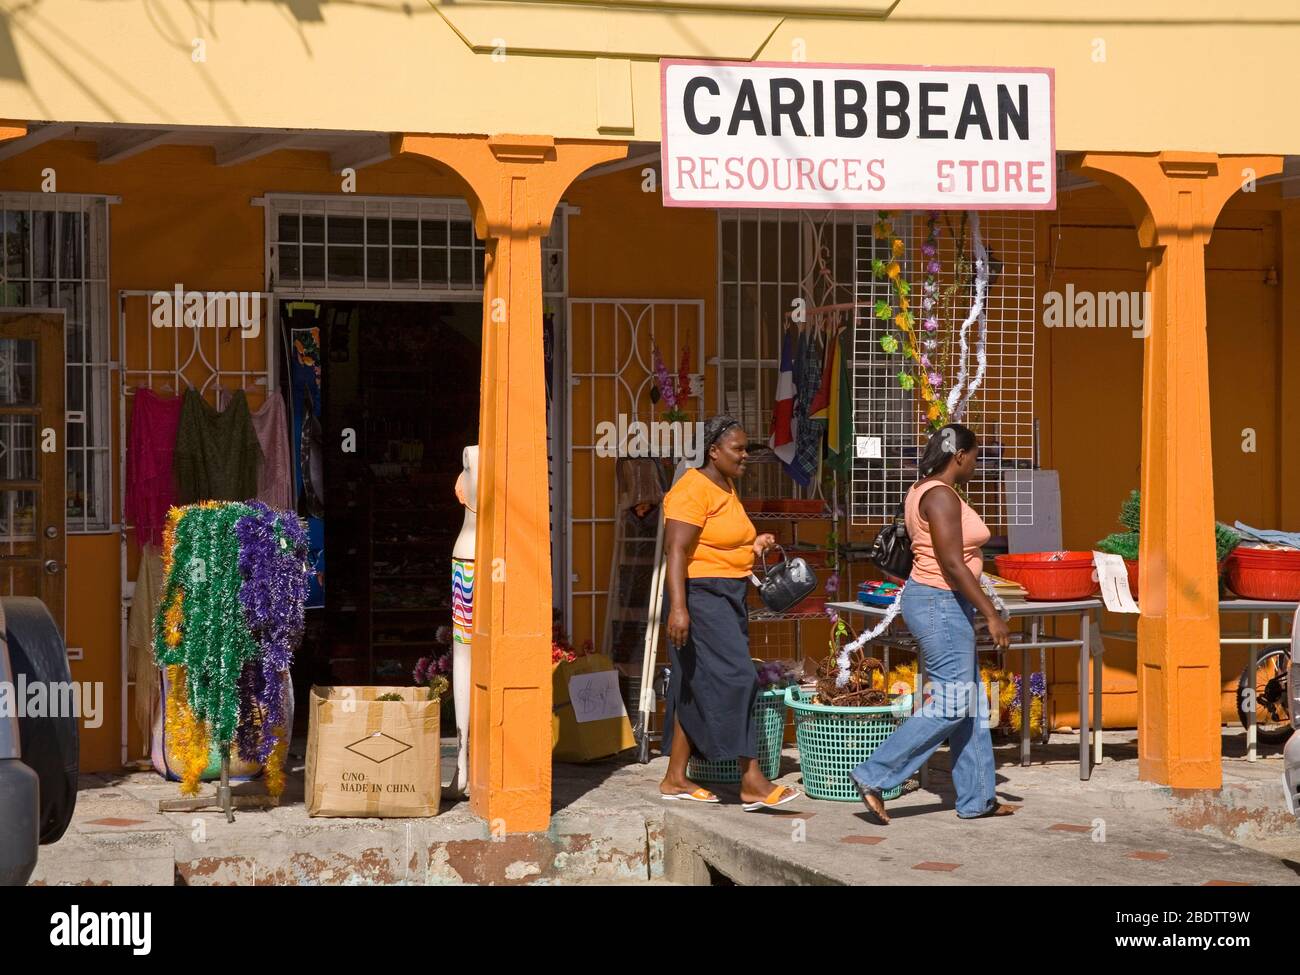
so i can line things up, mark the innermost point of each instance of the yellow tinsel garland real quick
(902, 680)
(187, 737)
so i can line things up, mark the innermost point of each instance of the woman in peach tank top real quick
(939, 604)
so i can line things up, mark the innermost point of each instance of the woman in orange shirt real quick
(939, 604)
(711, 546)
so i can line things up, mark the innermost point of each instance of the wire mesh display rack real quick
(889, 423)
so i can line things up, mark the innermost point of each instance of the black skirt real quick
(713, 684)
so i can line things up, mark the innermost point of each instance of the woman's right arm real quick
(942, 510)
(680, 539)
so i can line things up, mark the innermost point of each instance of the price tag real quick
(1112, 576)
(868, 447)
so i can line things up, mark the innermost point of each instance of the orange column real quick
(513, 184)
(1288, 514)
(1175, 198)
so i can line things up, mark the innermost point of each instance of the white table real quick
(1089, 650)
(1257, 610)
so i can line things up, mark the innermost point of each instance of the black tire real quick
(1272, 698)
(50, 745)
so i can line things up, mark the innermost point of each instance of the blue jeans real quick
(954, 707)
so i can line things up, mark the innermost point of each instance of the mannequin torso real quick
(467, 492)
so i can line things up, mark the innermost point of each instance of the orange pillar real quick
(1175, 198)
(513, 184)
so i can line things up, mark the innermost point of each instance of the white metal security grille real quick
(55, 248)
(769, 261)
(610, 372)
(889, 424)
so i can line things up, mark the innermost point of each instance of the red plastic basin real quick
(1255, 573)
(1050, 575)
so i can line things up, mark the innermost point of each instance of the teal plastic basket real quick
(769, 715)
(833, 740)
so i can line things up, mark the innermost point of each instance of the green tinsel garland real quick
(1130, 513)
(1125, 544)
(214, 644)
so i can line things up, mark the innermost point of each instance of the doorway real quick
(383, 397)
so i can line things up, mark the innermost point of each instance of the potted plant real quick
(1125, 543)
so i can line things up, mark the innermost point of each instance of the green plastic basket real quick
(769, 715)
(833, 740)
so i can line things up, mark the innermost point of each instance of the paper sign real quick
(1112, 575)
(595, 696)
(767, 134)
(868, 447)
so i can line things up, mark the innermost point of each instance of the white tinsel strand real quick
(981, 344)
(842, 660)
(959, 395)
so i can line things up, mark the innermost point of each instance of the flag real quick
(839, 433)
(782, 440)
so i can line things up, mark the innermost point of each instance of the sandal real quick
(777, 797)
(880, 817)
(699, 795)
(999, 809)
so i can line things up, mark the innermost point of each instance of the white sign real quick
(764, 134)
(1112, 575)
(868, 447)
(595, 696)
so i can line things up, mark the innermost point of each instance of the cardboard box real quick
(576, 735)
(369, 758)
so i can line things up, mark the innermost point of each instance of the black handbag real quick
(786, 583)
(892, 549)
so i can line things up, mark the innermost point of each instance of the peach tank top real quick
(925, 566)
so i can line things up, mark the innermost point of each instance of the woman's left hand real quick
(763, 542)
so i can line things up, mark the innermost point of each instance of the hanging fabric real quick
(782, 440)
(808, 432)
(839, 430)
(150, 478)
(216, 452)
(817, 409)
(274, 485)
(139, 629)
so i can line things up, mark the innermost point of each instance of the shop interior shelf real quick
(789, 515)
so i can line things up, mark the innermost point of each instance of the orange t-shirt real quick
(925, 565)
(726, 545)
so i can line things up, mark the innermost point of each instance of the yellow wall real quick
(589, 70)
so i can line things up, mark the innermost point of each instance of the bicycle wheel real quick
(1267, 692)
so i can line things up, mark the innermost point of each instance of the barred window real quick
(55, 248)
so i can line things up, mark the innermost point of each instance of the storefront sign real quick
(857, 136)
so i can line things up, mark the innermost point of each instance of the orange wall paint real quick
(183, 219)
(1091, 405)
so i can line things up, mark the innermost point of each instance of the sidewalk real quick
(1109, 830)
(609, 826)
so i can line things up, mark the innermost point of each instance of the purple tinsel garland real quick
(273, 563)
